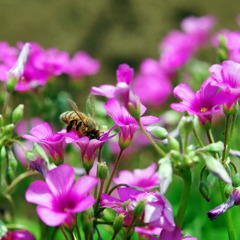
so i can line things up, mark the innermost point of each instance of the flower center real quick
(203, 109)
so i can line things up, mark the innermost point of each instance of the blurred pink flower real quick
(59, 198)
(146, 232)
(19, 235)
(151, 84)
(53, 143)
(145, 179)
(174, 235)
(82, 65)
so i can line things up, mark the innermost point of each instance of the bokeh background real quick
(117, 31)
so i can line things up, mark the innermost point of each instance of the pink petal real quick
(50, 217)
(128, 193)
(39, 193)
(31, 138)
(124, 73)
(184, 92)
(149, 120)
(104, 90)
(83, 204)
(60, 179)
(42, 131)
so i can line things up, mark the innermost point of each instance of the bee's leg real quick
(78, 126)
(70, 125)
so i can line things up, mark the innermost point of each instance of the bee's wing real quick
(90, 106)
(74, 107)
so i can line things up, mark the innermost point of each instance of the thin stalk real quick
(155, 145)
(18, 179)
(72, 235)
(210, 136)
(228, 215)
(114, 235)
(197, 137)
(77, 229)
(99, 196)
(185, 144)
(187, 183)
(117, 186)
(231, 133)
(225, 139)
(129, 228)
(114, 170)
(64, 232)
(5, 105)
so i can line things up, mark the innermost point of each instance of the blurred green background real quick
(117, 31)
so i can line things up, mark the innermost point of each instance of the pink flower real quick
(128, 125)
(143, 178)
(82, 65)
(19, 235)
(157, 212)
(203, 103)
(89, 147)
(227, 77)
(59, 198)
(53, 143)
(174, 235)
(151, 84)
(122, 91)
(146, 232)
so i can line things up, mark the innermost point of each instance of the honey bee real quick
(83, 124)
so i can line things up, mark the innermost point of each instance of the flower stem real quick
(225, 139)
(77, 229)
(129, 228)
(228, 215)
(98, 198)
(114, 170)
(5, 105)
(64, 232)
(187, 182)
(159, 150)
(18, 179)
(114, 235)
(197, 137)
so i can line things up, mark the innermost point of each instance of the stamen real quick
(203, 109)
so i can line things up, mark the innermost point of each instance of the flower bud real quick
(3, 154)
(236, 180)
(217, 169)
(9, 175)
(103, 171)
(211, 179)
(87, 221)
(118, 222)
(38, 150)
(18, 113)
(228, 190)
(213, 147)
(203, 189)
(8, 130)
(173, 144)
(165, 174)
(158, 132)
(13, 163)
(186, 125)
(233, 110)
(134, 108)
(11, 82)
(138, 210)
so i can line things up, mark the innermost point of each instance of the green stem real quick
(18, 179)
(5, 105)
(158, 149)
(231, 133)
(114, 170)
(77, 229)
(64, 232)
(114, 235)
(72, 235)
(185, 144)
(129, 228)
(225, 139)
(99, 196)
(197, 137)
(187, 182)
(228, 215)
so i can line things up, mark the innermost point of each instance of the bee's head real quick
(93, 135)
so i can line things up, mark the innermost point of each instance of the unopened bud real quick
(138, 210)
(11, 82)
(87, 221)
(3, 154)
(233, 110)
(165, 174)
(102, 171)
(236, 180)
(158, 132)
(173, 144)
(211, 179)
(13, 163)
(18, 113)
(203, 189)
(9, 175)
(186, 125)
(213, 147)
(37, 149)
(118, 222)
(8, 130)
(134, 108)
(228, 190)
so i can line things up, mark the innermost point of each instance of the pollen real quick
(203, 109)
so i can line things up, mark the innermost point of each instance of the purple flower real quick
(128, 125)
(19, 235)
(233, 200)
(174, 235)
(152, 84)
(143, 178)
(59, 198)
(227, 77)
(157, 212)
(147, 231)
(53, 143)
(82, 65)
(203, 103)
